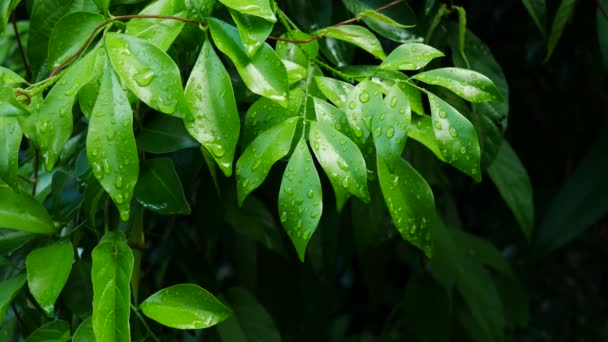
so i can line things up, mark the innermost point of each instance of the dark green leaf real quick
(22, 212)
(537, 9)
(390, 128)
(423, 295)
(165, 134)
(602, 31)
(258, 8)
(413, 97)
(410, 202)
(252, 30)
(10, 131)
(84, 332)
(564, 12)
(111, 148)
(267, 148)
(410, 56)
(160, 32)
(210, 98)
(111, 274)
(364, 102)
(202, 8)
(336, 91)
(10, 240)
(48, 268)
(358, 36)
(379, 23)
(300, 198)
(57, 331)
(8, 290)
(185, 306)
(159, 188)
(470, 85)
(421, 130)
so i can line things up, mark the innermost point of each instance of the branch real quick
(28, 72)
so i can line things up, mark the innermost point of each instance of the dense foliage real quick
(295, 170)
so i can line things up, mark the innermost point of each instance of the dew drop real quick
(346, 182)
(377, 132)
(443, 114)
(284, 217)
(463, 150)
(390, 132)
(437, 125)
(118, 182)
(310, 194)
(343, 165)
(363, 97)
(358, 132)
(119, 199)
(144, 77)
(393, 102)
(106, 166)
(245, 183)
(43, 126)
(453, 132)
(288, 190)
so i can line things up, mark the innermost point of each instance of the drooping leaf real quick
(358, 36)
(470, 85)
(364, 103)
(84, 332)
(160, 32)
(537, 9)
(54, 126)
(389, 129)
(336, 91)
(410, 202)
(564, 12)
(413, 97)
(165, 134)
(210, 98)
(258, 8)
(456, 137)
(48, 269)
(9, 288)
(263, 73)
(410, 56)
(300, 198)
(20, 211)
(257, 159)
(384, 23)
(252, 30)
(69, 34)
(148, 72)
(111, 148)
(57, 331)
(10, 131)
(295, 72)
(185, 306)
(159, 188)
(342, 161)
(111, 274)
(513, 183)
(381, 18)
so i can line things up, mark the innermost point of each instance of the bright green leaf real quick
(111, 148)
(9, 77)
(160, 32)
(201, 8)
(364, 102)
(537, 9)
(564, 12)
(56, 331)
(185, 306)
(22, 212)
(381, 18)
(159, 188)
(421, 130)
(252, 30)
(210, 98)
(330, 115)
(9, 288)
(103, 6)
(165, 134)
(295, 72)
(267, 148)
(299, 53)
(6, 8)
(410, 56)
(300, 198)
(336, 91)
(10, 131)
(84, 332)
(111, 274)
(470, 85)
(46, 279)
(410, 202)
(389, 129)
(358, 36)
(258, 8)
(148, 72)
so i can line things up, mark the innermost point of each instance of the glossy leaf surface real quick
(421, 130)
(185, 306)
(330, 115)
(364, 103)
(336, 91)
(358, 36)
(165, 134)
(384, 22)
(252, 30)
(111, 275)
(300, 198)
(22, 212)
(258, 8)
(57, 331)
(470, 85)
(84, 332)
(410, 56)
(159, 188)
(9, 149)
(8, 290)
(389, 129)
(160, 32)
(48, 269)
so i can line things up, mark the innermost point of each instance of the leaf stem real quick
(143, 321)
(26, 65)
(333, 70)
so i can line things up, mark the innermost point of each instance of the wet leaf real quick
(103, 6)
(57, 331)
(384, 23)
(330, 115)
(9, 288)
(9, 77)
(20, 211)
(468, 84)
(252, 30)
(410, 56)
(165, 134)
(421, 130)
(413, 97)
(336, 91)
(9, 105)
(363, 103)
(160, 32)
(358, 36)
(299, 53)
(10, 131)
(159, 188)
(258, 8)
(389, 129)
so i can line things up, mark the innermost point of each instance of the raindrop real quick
(358, 132)
(144, 77)
(288, 190)
(352, 105)
(393, 102)
(43, 127)
(284, 217)
(245, 183)
(390, 132)
(343, 165)
(443, 114)
(119, 182)
(453, 132)
(437, 124)
(363, 97)
(310, 194)
(106, 166)
(377, 132)
(119, 199)
(346, 182)
(463, 150)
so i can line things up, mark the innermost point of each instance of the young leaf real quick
(300, 198)
(160, 32)
(111, 148)
(22, 212)
(389, 129)
(263, 73)
(421, 130)
(410, 202)
(336, 91)
(258, 8)
(68, 35)
(185, 306)
(252, 30)
(210, 98)
(57, 331)
(48, 269)
(84, 332)
(111, 274)
(456, 137)
(148, 72)
(10, 131)
(410, 56)
(165, 134)
(358, 36)
(342, 161)
(159, 188)
(54, 125)
(255, 163)
(470, 85)
(9, 288)
(364, 102)
(564, 12)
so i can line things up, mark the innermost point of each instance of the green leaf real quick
(297, 53)
(381, 18)
(263, 73)
(69, 34)
(413, 97)
(103, 6)
(267, 148)
(513, 183)
(6, 8)
(201, 8)
(252, 30)
(111, 148)
(300, 198)
(159, 188)
(602, 32)
(470, 85)
(421, 130)
(295, 72)
(456, 137)
(336, 91)
(258, 8)
(410, 202)
(389, 129)
(10, 240)
(210, 98)
(22, 212)
(537, 9)
(329, 115)
(9, 149)
(48, 268)
(54, 126)
(9, 77)
(358, 36)
(364, 102)
(185, 306)
(250, 322)
(564, 12)
(165, 134)
(111, 274)
(160, 32)
(342, 161)
(9, 288)
(384, 23)
(57, 331)
(9, 105)
(84, 332)
(410, 56)
(148, 72)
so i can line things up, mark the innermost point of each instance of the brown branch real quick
(599, 6)
(344, 22)
(28, 72)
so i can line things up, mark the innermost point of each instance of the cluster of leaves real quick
(108, 102)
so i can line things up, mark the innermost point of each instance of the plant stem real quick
(143, 321)
(333, 70)
(26, 65)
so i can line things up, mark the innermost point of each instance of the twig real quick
(599, 6)
(28, 72)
